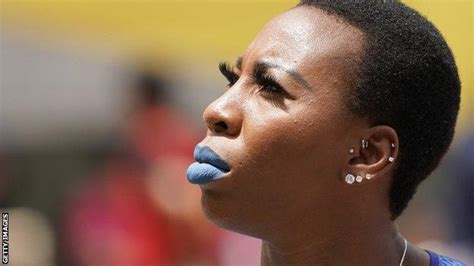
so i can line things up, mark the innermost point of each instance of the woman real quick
(334, 114)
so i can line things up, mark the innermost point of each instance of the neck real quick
(356, 242)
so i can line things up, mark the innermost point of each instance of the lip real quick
(209, 166)
(205, 154)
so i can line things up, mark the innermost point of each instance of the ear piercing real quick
(391, 158)
(365, 144)
(350, 178)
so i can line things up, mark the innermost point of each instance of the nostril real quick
(220, 126)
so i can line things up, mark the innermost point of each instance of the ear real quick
(376, 159)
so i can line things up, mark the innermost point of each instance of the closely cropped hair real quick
(407, 79)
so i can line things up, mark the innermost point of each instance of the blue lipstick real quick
(208, 166)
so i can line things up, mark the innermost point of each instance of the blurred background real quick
(101, 105)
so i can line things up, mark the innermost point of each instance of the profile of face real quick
(283, 127)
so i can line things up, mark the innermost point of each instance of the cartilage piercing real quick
(365, 144)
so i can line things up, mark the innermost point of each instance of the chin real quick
(222, 211)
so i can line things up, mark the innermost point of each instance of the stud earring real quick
(359, 178)
(393, 145)
(391, 159)
(350, 179)
(368, 176)
(351, 151)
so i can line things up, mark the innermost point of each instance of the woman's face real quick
(282, 127)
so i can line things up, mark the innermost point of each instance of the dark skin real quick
(288, 148)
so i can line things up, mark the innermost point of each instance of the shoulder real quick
(441, 260)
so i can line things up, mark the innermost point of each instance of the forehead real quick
(306, 38)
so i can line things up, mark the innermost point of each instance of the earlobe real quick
(376, 156)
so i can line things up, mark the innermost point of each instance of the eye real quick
(270, 85)
(228, 73)
(272, 91)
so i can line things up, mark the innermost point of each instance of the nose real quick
(224, 115)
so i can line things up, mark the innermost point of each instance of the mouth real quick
(209, 166)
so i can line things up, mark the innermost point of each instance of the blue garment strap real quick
(440, 260)
(434, 261)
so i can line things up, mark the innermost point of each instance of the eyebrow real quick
(266, 65)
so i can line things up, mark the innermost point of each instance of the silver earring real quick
(365, 144)
(393, 145)
(368, 176)
(351, 151)
(391, 159)
(359, 178)
(350, 179)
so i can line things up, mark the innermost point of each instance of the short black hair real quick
(407, 79)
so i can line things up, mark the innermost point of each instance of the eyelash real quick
(266, 81)
(269, 84)
(228, 73)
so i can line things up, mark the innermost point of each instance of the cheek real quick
(287, 152)
(285, 167)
